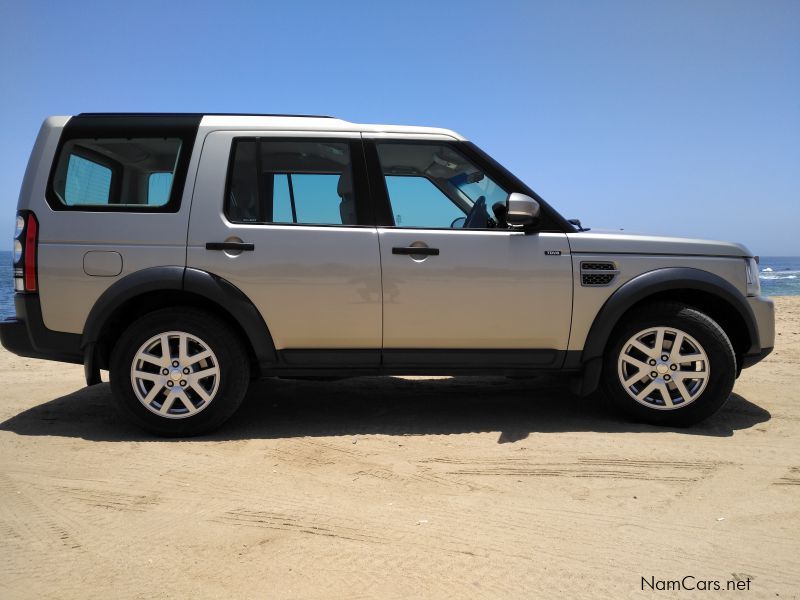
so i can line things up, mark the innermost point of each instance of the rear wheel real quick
(669, 364)
(179, 372)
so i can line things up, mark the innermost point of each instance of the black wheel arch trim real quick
(226, 296)
(236, 303)
(640, 288)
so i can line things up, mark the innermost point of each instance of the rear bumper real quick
(27, 335)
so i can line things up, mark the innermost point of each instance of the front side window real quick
(417, 202)
(290, 182)
(116, 172)
(432, 185)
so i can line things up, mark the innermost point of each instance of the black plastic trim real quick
(152, 279)
(748, 360)
(239, 306)
(27, 335)
(473, 359)
(230, 246)
(346, 357)
(415, 251)
(216, 289)
(640, 288)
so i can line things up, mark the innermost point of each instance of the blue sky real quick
(678, 117)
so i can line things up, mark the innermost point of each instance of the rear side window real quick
(87, 182)
(159, 186)
(291, 182)
(124, 173)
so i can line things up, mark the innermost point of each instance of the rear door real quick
(284, 217)
(480, 295)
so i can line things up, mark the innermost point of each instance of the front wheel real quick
(669, 364)
(179, 372)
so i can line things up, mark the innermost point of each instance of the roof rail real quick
(176, 114)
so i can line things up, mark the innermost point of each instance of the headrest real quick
(345, 185)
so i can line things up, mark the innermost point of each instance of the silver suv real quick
(190, 253)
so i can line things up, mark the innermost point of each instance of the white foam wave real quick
(776, 277)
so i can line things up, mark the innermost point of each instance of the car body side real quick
(77, 316)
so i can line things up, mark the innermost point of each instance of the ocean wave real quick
(776, 277)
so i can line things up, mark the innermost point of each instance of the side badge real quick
(552, 252)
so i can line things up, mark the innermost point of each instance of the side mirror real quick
(522, 210)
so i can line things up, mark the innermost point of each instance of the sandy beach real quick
(398, 488)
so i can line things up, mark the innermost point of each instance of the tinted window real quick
(305, 198)
(290, 181)
(158, 188)
(433, 185)
(87, 182)
(416, 202)
(122, 172)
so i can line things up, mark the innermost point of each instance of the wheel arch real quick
(159, 287)
(703, 290)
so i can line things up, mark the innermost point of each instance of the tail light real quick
(25, 239)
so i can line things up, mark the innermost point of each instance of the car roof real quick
(288, 122)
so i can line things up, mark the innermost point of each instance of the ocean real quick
(780, 276)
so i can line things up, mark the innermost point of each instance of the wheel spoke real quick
(183, 351)
(166, 353)
(665, 394)
(684, 392)
(651, 352)
(201, 392)
(690, 375)
(151, 395)
(634, 378)
(204, 373)
(156, 377)
(195, 358)
(688, 358)
(167, 404)
(658, 348)
(186, 402)
(646, 390)
(150, 358)
(675, 354)
(641, 365)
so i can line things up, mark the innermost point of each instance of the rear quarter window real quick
(87, 182)
(115, 173)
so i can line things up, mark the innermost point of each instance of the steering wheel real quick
(458, 222)
(478, 216)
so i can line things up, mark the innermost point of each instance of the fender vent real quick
(595, 274)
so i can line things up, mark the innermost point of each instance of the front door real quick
(310, 263)
(459, 287)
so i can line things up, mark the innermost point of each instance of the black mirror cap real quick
(523, 211)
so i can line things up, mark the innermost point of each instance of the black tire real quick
(234, 371)
(718, 348)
